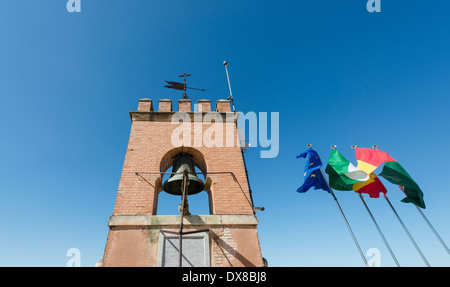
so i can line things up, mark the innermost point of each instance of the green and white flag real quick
(396, 174)
(342, 173)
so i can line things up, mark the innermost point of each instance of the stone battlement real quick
(184, 105)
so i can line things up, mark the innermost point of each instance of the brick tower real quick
(138, 236)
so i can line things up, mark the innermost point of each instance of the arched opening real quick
(168, 203)
(167, 160)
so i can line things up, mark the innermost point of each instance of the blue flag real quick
(313, 175)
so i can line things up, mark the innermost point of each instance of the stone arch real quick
(199, 159)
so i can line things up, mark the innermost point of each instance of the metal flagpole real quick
(434, 230)
(379, 231)
(225, 63)
(407, 232)
(424, 217)
(230, 97)
(376, 224)
(346, 221)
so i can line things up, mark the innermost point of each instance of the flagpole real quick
(346, 221)
(407, 232)
(230, 97)
(379, 231)
(434, 230)
(376, 224)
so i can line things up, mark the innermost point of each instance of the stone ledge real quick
(174, 220)
(167, 116)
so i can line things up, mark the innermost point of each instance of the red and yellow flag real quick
(369, 159)
(372, 187)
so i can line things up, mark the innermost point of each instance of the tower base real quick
(151, 240)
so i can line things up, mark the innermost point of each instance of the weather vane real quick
(181, 86)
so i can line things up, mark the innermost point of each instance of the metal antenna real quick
(225, 63)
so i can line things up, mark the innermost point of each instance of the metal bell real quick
(181, 163)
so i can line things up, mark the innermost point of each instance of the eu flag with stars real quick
(313, 175)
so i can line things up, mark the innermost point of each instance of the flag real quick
(396, 174)
(342, 173)
(175, 85)
(369, 159)
(372, 187)
(313, 174)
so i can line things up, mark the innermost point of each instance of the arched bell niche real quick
(200, 203)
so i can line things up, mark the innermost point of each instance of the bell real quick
(181, 163)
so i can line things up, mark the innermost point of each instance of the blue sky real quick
(336, 74)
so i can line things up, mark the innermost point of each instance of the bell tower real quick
(177, 142)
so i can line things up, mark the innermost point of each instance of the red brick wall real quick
(150, 141)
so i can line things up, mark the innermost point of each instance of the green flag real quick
(396, 174)
(342, 173)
